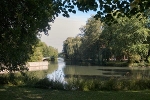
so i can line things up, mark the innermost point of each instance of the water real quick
(58, 74)
(64, 71)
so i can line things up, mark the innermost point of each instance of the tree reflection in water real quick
(58, 75)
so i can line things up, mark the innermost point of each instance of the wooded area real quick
(23, 20)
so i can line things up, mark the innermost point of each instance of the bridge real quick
(60, 59)
(46, 59)
(52, 58)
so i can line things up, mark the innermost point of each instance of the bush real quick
(19, 78)
(11, 79)
(4, 79)
(109, 85)
(49, 84)
(78, 83)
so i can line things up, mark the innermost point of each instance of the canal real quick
(60, 71)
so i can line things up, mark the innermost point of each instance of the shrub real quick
(11, 79)
(110, 85)
(49, 84)
(78, 83)
(4, 79)
(19, 78)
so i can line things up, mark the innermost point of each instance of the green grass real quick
(26, 93)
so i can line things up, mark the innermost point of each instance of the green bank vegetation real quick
(37, 79)
(33, 88)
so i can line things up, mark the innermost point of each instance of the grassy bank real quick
(126, 64)
(29, 87)
(127, 83)
(111, 63)
(25, 93)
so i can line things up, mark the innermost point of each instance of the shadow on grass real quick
(26, 93)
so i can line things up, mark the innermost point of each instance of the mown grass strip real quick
(26, 93)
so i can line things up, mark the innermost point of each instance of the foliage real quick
(22, 78)
(112, 84)
(21, 22)
(41, 50)
(53, 52)
(84, 46)
(49, 84)
(91, 33)
(32, 79)
(100, 42)
(106, 9)
(138, 82)
(71, 47)
(130, 35)
(37, 54)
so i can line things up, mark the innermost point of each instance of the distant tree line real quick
(127, 39)
(41, 50)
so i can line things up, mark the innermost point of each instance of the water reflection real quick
(104, 72)
(58, 74)
(64, 71)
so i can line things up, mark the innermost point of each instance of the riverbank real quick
(26, 93)
(109, 63)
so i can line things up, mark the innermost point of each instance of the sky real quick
(65, 27)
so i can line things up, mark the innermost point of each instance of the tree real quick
(106, 9)
(90, 45)
(45, 50)
(128, 35)
(41, 50)
(21, 22)
(68, 48)
(84, 46)
(52, 52)
(99, 41)
(37, 53)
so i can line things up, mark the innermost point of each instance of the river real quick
(62, 71)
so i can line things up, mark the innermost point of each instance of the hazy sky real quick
(65, 27)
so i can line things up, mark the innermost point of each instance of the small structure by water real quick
(34, 66)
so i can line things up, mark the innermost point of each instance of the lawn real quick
(26, 93)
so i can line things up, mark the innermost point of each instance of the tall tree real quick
(68, 48)
(91, 32)
(128, 35)
(21, 20)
